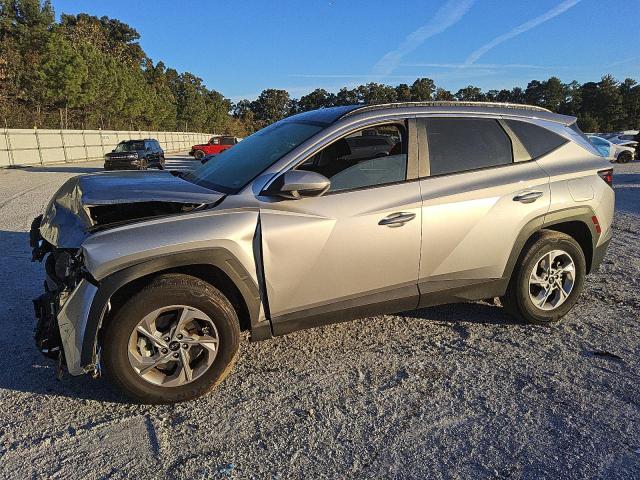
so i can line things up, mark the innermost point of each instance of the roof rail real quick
(448, 103)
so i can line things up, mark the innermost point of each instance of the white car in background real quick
(627, 138)
(614, 152)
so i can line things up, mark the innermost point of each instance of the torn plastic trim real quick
(72, 322)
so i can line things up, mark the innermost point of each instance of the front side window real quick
(363, 159)
(463, 144)
(236, 167)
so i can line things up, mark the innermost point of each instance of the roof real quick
(329, 115)
(466, 107)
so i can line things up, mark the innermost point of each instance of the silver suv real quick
(153, 275)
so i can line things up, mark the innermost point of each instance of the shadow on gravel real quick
(481, 313)
(22, 367)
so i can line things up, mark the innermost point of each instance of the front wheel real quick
(173, 341)
(625, 157)
(198, 154)
(546, 283)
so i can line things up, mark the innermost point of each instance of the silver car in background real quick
(152, 276)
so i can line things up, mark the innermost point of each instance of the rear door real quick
(480, 188)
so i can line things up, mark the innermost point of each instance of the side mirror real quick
(295, 184)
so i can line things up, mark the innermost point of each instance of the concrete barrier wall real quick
(40, 147)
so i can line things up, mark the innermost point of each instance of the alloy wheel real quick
(552, 279)
(173, 345)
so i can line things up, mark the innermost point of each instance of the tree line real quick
(90, 72)
(603, 106)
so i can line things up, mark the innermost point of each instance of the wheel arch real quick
(216, 266)
(576, 222)
(580, 232)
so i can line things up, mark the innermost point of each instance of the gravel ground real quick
(458, 391)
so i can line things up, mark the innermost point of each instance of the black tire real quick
(165, 290)
(624, 157)
(198, 154)
(161, 163)
(517, 300)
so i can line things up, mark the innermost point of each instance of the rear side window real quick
(538, 141)
(463, 144)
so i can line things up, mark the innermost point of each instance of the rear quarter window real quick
(538, 141)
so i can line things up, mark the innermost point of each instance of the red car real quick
(217, 144)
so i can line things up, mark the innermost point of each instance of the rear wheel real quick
(548, 280)
(198, 154)
(173, 341)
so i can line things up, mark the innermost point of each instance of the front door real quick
(353, 251)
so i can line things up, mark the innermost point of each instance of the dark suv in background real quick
(135, 155)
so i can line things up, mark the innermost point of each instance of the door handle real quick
(397, 219)
(527, 197)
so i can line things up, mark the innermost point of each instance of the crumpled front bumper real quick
(62, 313)
(72, 322)
(61, 322)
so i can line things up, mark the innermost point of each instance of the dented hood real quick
(97, 200)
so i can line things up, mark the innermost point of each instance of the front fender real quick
(215, 257)
(226, 240)
(112, 250)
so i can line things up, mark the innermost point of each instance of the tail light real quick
(607, 176)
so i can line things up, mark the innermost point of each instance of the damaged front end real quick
(56, 335)
(83, 206)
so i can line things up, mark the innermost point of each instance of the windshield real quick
(236, 167)
(129, 146)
